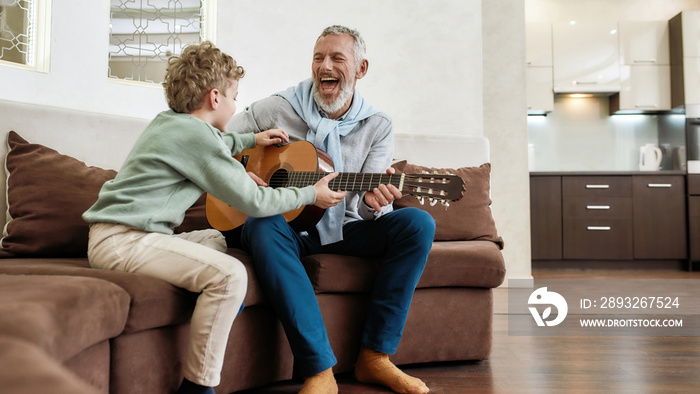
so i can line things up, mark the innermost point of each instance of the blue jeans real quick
(400, 242)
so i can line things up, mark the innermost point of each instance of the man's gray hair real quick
(360, 47)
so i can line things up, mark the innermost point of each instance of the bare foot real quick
(375, 367)
(321, 383)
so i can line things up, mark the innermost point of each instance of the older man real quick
(328, 111)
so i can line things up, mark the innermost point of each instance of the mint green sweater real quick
(175, 160)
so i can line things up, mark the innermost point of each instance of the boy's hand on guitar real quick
(325, 197)
(383, 195)
(259, 181)
(271, 137)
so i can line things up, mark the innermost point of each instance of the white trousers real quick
(194, 261)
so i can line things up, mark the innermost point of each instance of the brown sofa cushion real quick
(154, 303)
(63, 317)
(464, 264)
(450, 264)
(467, 219)
(27, 369)
(47, 193)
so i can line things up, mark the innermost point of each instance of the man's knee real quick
(418, 222)
(261, 227)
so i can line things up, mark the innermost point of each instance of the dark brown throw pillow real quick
(47, 193)
(466, 219)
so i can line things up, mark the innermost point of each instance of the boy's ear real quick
(212, 98)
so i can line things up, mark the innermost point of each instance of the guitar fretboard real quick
(350, 181)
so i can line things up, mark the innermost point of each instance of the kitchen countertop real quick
(599, 173)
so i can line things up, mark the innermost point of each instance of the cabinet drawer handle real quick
(585, 82)
(598, 228)
(659, 185)
(646, 106)
(597, 186)
(597, 206)
(645, 60)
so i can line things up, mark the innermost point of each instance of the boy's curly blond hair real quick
(198, 70)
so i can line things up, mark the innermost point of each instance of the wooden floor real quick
(538, 364)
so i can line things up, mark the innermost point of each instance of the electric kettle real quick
(649, 158)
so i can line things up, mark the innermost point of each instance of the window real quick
(24, 27)
(144, 34)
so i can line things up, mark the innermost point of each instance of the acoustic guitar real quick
(301, 164)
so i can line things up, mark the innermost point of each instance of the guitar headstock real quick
(434, 187)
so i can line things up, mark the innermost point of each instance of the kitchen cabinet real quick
(538, 44)
(597, 217)
(585, 57)
(691, 75)
(645, 72)
(690, 30)
(694, 216)
(660, 217)
(538, 53)
(644, 43)
(545, 217)
(628, 216)
(540, 97)
(684, 36)
(643, 88)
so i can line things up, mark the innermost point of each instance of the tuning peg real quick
(433, 202)
(422, 200)
(446, 204)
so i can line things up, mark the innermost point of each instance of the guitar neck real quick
(346, 181)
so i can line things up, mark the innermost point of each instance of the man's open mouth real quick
(328, 84)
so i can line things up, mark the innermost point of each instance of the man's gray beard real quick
(345, 94)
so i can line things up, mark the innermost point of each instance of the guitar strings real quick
(423, 185)
(344, 181)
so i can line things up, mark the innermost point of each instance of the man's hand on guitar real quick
(271, 137)
(325, 197)
(382, 195)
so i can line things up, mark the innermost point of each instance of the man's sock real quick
(188, 387)
(375, 367)
(321, 383)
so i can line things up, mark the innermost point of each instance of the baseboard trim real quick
(680, 265)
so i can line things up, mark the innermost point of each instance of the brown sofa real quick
(85, 330)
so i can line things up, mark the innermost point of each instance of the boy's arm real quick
(239, 142)
(226, 179)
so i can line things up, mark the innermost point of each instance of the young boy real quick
(183, 153)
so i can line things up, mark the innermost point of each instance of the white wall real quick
(424, 58)
(424, 68)
(431, 70)
(505, 127)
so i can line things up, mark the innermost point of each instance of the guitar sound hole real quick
(279, 179)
